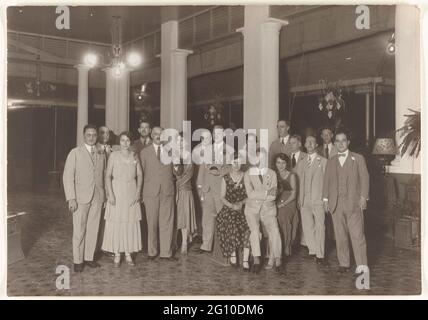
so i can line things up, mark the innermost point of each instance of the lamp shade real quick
(384, 146)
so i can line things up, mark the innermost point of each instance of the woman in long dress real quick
(233, 231)
(123, 212)
(288, 216)
(186, 218)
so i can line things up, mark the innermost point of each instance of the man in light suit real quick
(311, 172)
(282, 144)
(261, 187)
(327, 149)
(296, 156)
(217, 156)
(345, 195)
(83, 181)
(158, 197)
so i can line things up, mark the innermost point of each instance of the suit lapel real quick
(86, 155)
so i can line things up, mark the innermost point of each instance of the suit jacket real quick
(208, 181)
(303, 156)
(82, 177)
(316, 175)
(357, 181)
(158, 177)
(137, 145)
(257, 201)
(333, 151)
(107, 151)
(278, 147)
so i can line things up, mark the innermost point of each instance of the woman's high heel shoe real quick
(129, 261)
(233, 262)
(245, 266)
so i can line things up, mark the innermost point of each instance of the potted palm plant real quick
(410, 133)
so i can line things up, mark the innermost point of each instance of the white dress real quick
(122, 228)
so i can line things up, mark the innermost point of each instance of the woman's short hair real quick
(127, 134)
(283, 157)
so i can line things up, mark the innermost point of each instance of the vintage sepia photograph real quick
(213, 150)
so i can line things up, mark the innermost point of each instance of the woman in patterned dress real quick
(123, 212)
(232, 226)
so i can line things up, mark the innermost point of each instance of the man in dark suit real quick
(345, 195)
(144, 140)
(327, 149)
(103, 144)
(282, 144)
(158, 197)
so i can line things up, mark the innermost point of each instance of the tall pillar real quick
(407, 78)
(117, 99)
(82, 101)
(261, 69)
(173, 109)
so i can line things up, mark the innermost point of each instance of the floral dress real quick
(232, 226)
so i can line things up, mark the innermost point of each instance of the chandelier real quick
(118, 60)
(37, 86)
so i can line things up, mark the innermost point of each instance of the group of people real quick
(282, 195)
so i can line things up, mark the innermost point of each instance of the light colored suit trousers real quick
(86, 223)
(260, 207)
(83, 180)
(312, 210)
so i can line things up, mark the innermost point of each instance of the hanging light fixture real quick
(37, 86)
(118, 60)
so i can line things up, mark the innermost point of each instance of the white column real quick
(173, 109)
(367, 118)
(261, 69)
(82, 101)
(407, 77)
(117, 99)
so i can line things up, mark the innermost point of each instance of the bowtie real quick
(341, 154)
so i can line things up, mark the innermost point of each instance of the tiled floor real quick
(47, 243)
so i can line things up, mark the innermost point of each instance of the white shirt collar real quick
(296, 154)
(346, 153)
(263, 171)
(284, 139)
(312, 156)
(89, 148)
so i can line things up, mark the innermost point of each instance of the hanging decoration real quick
(331, 104)
(214, 113)
(37, 86)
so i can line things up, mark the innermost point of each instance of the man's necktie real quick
(293, 160)
(93, 154)
(341, 154)
(213, 155)
(261, 177)
(326, 152)
(158, 152)
(283, 141)
(309, 161)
